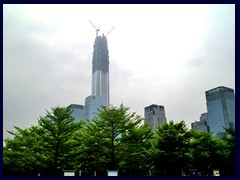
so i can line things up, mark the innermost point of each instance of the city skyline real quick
(168, 56)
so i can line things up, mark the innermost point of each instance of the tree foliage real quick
(43, 148)
(171, 149)
(229, 164)
(59, 128)
(114, 140)
(22, 155)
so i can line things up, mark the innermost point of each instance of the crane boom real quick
(95, 28)
(110, 30)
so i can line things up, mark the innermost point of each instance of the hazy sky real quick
(159, 54)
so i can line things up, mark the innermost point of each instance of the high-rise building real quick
(220, 109)
(201, 126)
(100, 78)
(154, 115)
(78, 111)
(100, 69)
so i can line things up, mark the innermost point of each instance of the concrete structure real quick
(220, 109)
(154, 115)
(201, 126)
(78, 111)
(100, 78)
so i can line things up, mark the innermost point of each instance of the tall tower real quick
(155, 115)
(100, 77)
(221, 109)
(100, 69)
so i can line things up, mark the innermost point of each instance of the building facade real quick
(220, 103)
(202, 125)
(154, 115)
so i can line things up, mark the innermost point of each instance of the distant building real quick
(220, 109)
(155, 115)
(100, 78)
(201, 126)
(92, 104)
(78, 111)
(204, 117)
(100, 69)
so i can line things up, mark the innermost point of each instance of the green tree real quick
(108, 138)
(210, 153)
(203, 147)
(228, 165)
(59, 128)
(170, 149)
(21, 155)
(134, 154)
(46, 148)
(231, 146)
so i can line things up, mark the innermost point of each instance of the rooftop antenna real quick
(97, 29)
(121, 105)
(110, 31)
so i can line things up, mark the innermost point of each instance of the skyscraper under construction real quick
(100, 77)
(100, 69)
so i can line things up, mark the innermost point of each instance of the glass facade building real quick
(78, 111)
(221, 109)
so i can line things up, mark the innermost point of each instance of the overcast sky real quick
(159, 54)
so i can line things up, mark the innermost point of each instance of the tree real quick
(136, 142)
(231, 143)
(203, 147)
(43, 148)
(107, 140)
(170, 149)
(228, 164)
(59, 127)
(210, 152)
(21, 155)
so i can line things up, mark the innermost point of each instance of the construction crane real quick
(110, 31)
(95, 28)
